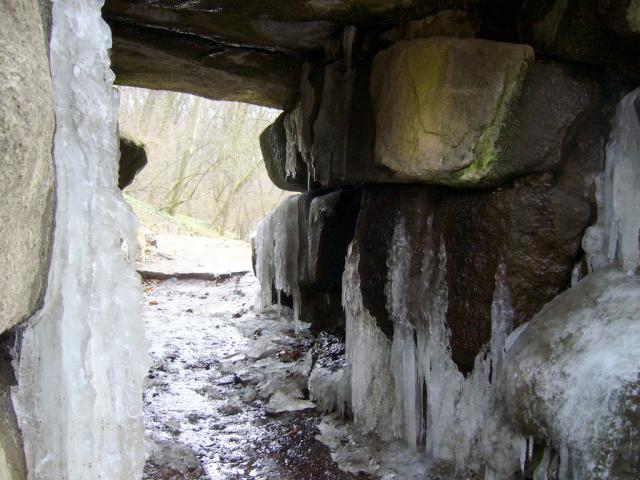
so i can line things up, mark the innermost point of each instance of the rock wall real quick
(26, 143)
(488, 199)
(27, 187)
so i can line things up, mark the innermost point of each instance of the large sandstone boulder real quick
(440, 104)
(28, 176)
(467, 112)
(572, 376)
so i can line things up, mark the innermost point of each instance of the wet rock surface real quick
(222, 380)
(533, 226)
(133, 158)
(273, 144)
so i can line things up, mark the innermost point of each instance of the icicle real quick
(83, 358)
(576, 274)
(616, 236)
(523, 454)
(279, 306)
(407, 413)
(292, 144)
(368, 351)
(501, 319)
(277, 246)
(530, 451)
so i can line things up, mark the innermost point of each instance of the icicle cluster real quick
(277, 247)
(83, 358)
(433, 406)
(615, 239)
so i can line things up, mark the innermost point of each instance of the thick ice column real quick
(615, 239)
(368, 351)
(83, 358)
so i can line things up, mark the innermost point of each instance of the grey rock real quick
(27, 186)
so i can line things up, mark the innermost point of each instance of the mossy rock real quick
(472, 113)
(440, 105)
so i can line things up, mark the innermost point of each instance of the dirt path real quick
(221, 375)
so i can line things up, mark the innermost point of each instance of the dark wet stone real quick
(604, 34)
(342, 151)
(552, 99)
(332, 222)
(149, 56)
(133, 158)
(534, 227)
(380, 211)
(273, 143)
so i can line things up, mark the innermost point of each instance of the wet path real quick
(221, 377)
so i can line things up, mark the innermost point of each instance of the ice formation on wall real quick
(615, 239)
(277, 255)
(433, 406)
(367, 350)
(83, 358)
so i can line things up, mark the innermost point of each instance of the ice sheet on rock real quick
(277, 248)
(501, 320)
(291, 155)
(281, 402)
(615, 239)
(368, 352)
(82, 361)
(573, 372)
(407, 411)
(331, 390)
(356, 454)
(455, 417)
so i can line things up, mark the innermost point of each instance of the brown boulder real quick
(534, 228)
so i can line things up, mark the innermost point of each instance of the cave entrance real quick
(225, 396)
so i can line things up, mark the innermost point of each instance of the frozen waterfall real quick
(83, 358)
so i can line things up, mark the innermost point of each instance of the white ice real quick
(83, 358)
(277, 250)
(615, 239)
(454, 423)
